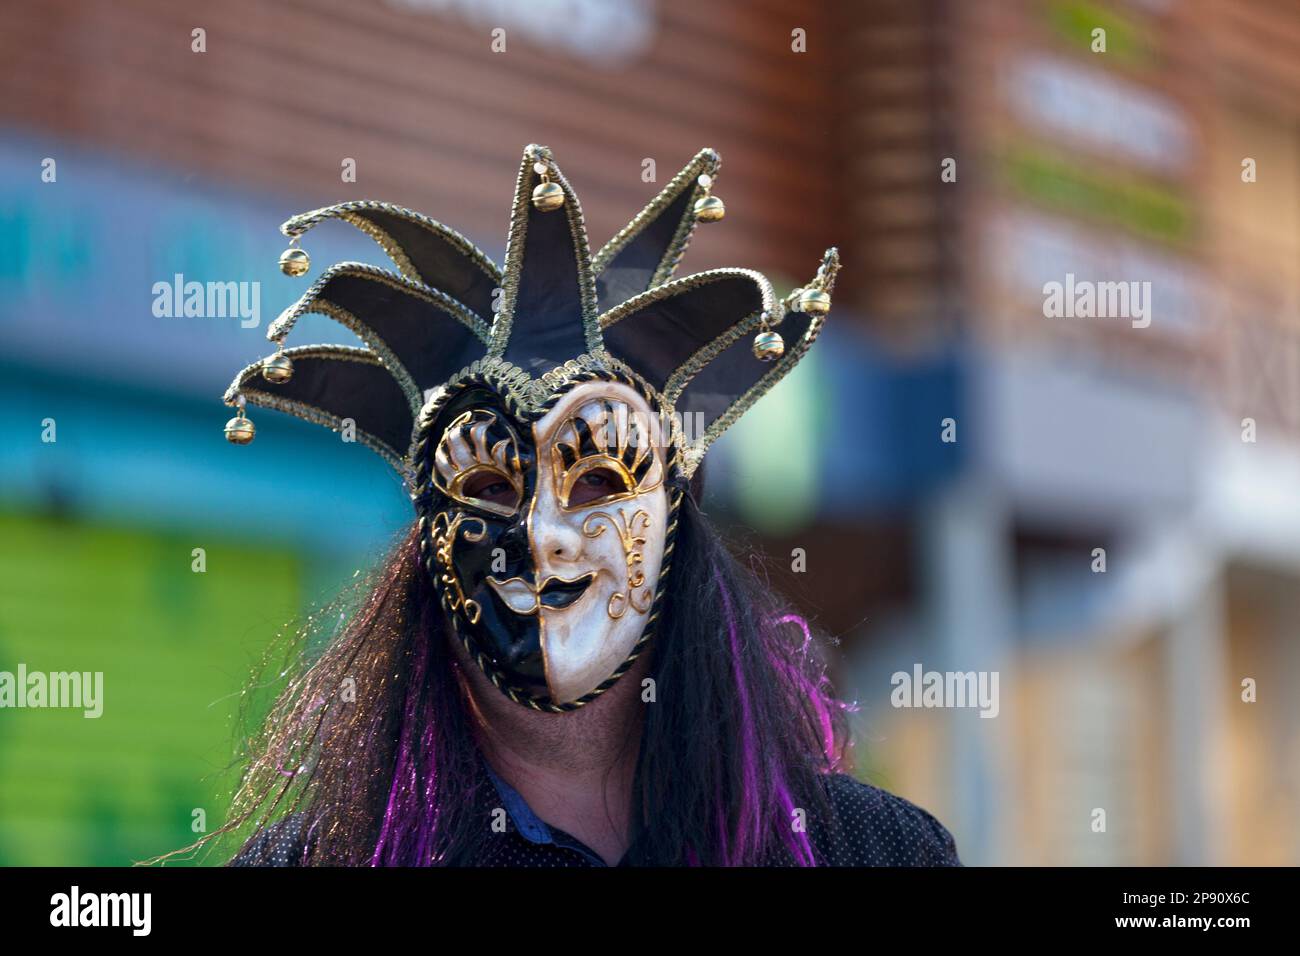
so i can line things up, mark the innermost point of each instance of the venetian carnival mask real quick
(546, 443)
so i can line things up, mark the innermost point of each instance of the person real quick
(561, 663)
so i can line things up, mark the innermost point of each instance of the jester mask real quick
(545, 415)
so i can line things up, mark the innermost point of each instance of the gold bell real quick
(277, 368)
(768, 346)
(709, 209)
(548, 196)
(239, 430)
(814, 302)
(294, 261)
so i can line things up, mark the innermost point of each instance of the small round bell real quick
(814, 302)
(277, 368)
(548, 196)
(709, 209)
(239, 430)
(294, 261)
(768, 346)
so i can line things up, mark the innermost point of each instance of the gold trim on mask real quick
(444, 531)
(632, 544)
(507, 590)
(462, 453)
(593, 463)
(619, 440)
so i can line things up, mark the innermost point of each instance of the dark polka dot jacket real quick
(872, 827)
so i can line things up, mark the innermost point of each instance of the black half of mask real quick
(474, 543)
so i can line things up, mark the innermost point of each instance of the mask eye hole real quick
(491, 487)
(595, 484)
(477, 463)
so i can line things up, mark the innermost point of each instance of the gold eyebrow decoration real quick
(605, 434)
(463, 453)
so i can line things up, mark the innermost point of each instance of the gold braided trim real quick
(528, 398)
(350, 211)
(693, 281)
(501, 325)
(387, 358)
(510, 381)
(677, 286)
(706, 161)
(687, 371)
(831, 268)
(780, 369)
(313, 413)
(386, 242)
(827, 270)
(794, 352)
(434, 297)
(548, 386)
(515, 244)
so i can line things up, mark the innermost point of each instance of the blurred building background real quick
(1120, 689)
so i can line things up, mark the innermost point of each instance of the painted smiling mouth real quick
(558, 593)
(555, 593)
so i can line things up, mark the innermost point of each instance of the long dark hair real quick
(369, 753)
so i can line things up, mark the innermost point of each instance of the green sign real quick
(173, 648)
(1143, 206)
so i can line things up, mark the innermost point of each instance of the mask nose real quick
(557, 542)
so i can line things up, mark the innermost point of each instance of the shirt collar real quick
(532, 827)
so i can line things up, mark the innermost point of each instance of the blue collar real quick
(532, 827)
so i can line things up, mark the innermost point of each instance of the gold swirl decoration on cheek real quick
(445, 530)
(630, 532)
